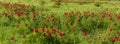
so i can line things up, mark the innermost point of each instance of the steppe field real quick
(59, 22)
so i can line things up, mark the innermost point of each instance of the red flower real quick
(43, 29)
(119, 38)
(73, 30)
(108, 14)
(110, 29)
(114, 37)
(66, 23)
(61, 34)
(102, 16)
(19, 14)
(35, 13)
(12, 38)
(70, 14)
(54, 32)
(65, 13)
(52, 20)
(43, 34)
(115, 24)
(36, 30)
(17, 26)
(84, 32)
(59, 21)
(110, 18)
(118, 33)
(28, 20)
(113, 40)
(52, 16)
(118, 17)
(49, 35)
(78, 19)
(47, 31)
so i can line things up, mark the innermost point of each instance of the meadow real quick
(36, 22)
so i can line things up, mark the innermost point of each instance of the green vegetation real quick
(46, 22)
